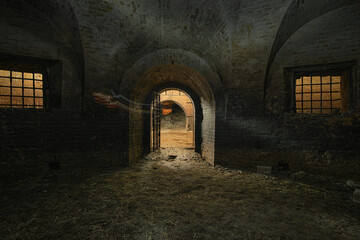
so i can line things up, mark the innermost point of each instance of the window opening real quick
(21, 89)
(318, 94)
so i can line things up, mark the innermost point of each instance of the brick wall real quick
(187, 73)
(33, 35)
(313, 143)
(252, 38)
(332, 38)
(208, 133)
(300, 13)
(118, 34)
(217, 49)
(31, 139)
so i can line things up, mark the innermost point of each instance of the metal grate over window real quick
(318, 94)
(21, 89)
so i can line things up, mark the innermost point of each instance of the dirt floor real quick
(181, 198)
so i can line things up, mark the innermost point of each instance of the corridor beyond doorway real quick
(177, 119)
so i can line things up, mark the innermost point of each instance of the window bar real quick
(331, 99)
(302, 94)
(22, 86)
(10, 89)
(34, 89)
(311, 93)
(321, 95)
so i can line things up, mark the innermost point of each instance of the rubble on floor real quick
(180, 198)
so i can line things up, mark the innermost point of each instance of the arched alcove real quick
(54, 28)
(297, 16)
(309, 46)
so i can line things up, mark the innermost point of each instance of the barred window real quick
(21, 89)
(318, 94)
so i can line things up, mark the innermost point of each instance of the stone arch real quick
(175, 102)
(179, 104)
(170, 68)
(299, 13)
(171, 57)
(62, 15)
(54, 25)
(197, 107)
(309, 46)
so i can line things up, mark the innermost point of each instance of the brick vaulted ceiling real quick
(299, 13)
(234, 37)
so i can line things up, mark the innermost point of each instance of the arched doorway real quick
(172, 68)
(176, 120)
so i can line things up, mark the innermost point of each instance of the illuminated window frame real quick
(318, 94)
(21, 89)
(348, 78)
